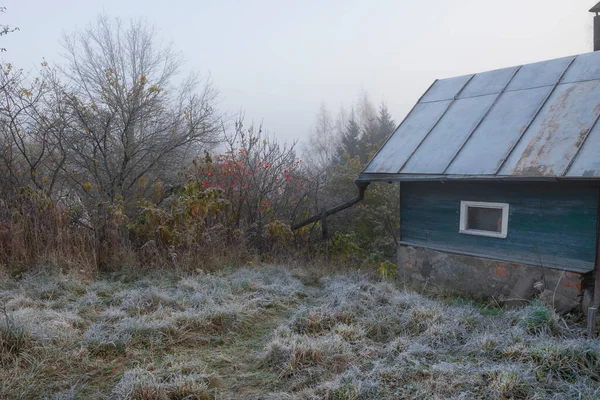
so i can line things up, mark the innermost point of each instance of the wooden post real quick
(597, 269)
(398, 248)
(399, 212)
(324, 234)
(592, 311)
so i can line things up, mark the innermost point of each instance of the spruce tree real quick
(351, 138)
(375, 133)
(385, 125)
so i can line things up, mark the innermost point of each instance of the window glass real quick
(484, 219)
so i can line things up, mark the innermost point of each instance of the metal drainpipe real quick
(362, 187)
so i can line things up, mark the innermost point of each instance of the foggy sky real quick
(279, 60)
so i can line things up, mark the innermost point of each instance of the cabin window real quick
(484, 219)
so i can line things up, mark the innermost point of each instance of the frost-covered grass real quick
(368, 340)
(261, 333)
(121, 337)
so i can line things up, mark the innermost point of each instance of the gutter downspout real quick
(362, 187)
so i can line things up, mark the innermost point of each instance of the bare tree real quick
(32, 127)
(321, 149)
(132, 123)
(5, 29)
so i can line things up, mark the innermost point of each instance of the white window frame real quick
(464, 205)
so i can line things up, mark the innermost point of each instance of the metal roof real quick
(535, 121)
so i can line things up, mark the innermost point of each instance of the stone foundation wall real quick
(483, 277)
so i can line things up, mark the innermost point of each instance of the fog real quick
(279, 60)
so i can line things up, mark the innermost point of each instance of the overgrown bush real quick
(222, 209)
(225, 211)
(40, 232)
(373, 221)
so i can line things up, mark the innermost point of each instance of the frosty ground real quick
(277, 333)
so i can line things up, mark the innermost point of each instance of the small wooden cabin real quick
(499, 177)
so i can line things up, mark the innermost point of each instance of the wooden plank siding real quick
(550, 224)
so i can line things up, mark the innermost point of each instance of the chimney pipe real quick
(596, 10)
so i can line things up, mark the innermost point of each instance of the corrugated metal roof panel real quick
(453, 128)
(407, 137)
(445, 89)
(498, 132)
(539, 122)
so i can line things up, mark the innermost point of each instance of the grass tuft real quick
(138, 384)
(14, 338)
(540, 319)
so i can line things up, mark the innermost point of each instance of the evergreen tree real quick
(385, 125)
(375, 133)
(351, 143)
(367, 119)
(368, 139)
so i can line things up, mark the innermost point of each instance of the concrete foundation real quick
(484, 278)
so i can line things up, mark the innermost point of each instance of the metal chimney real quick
(596, 10)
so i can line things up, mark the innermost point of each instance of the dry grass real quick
(261, 333)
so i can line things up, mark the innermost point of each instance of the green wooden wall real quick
(550, 224)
